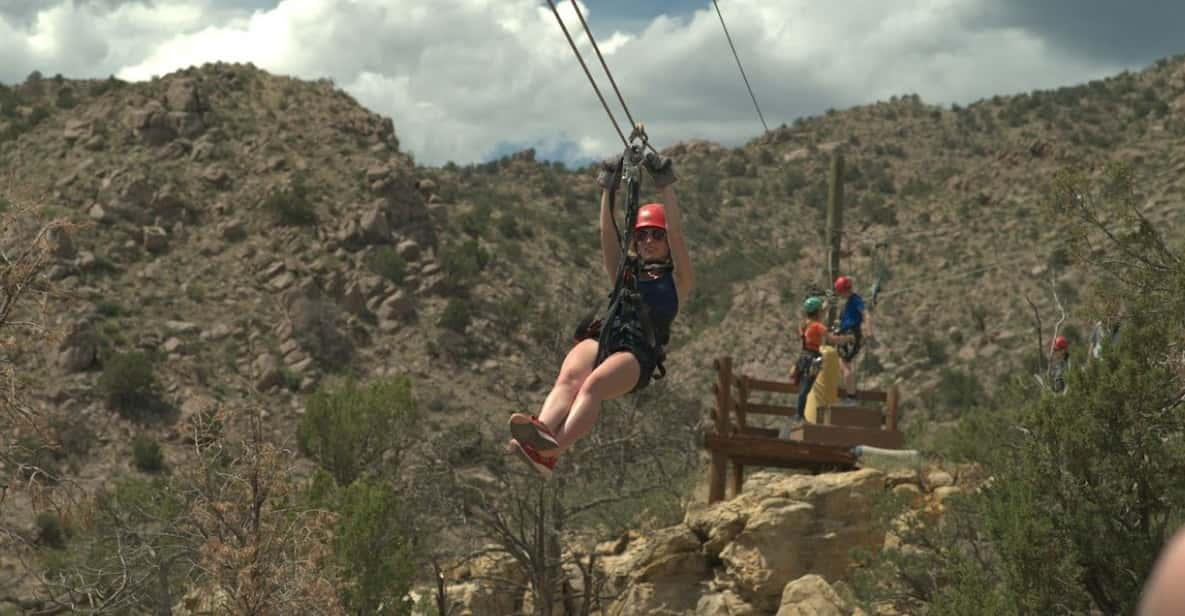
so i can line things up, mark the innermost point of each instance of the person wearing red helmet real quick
(1059, 362)
(574, 403)
(853, 321)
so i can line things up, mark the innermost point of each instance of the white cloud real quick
(463, 77)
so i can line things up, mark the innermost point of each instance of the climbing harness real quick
(626, 320)
(625, 324)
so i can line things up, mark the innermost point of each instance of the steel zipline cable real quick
(766, 262)
(738, 59)
(588, 74)
(621, 99)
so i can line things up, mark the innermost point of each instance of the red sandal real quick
(528, 430)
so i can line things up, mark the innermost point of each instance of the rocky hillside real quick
(782, 548)
(254, 234)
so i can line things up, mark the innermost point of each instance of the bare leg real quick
(577, 367)
(615, 377)
(849, 378)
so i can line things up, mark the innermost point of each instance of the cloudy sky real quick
(467, 80)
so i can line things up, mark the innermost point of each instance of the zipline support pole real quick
(834, 226)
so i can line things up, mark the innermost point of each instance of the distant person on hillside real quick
(1104, 334)
(666, 278)
(1164, 590)
(813, 334)
(855, 322)
(1059, 362)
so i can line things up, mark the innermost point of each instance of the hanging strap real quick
(626, 307)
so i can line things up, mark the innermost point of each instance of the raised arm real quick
(610, 246)
(684, 275)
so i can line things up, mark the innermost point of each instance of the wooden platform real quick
(826, 445)
(847, 437)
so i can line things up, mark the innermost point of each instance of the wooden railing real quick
(821, 445)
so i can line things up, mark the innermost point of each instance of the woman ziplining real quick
(620, 352)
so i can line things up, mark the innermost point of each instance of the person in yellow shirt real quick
(813, 334)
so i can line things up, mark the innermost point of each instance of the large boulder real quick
(394, 185)
(489, 584)
(185, 105)
(183, 95)
(79, 348)
(660, 574)
(783, 527)
(811, 595)
(152, 124)
(726, 603)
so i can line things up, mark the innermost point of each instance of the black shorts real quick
(848, 350)
(632, 340)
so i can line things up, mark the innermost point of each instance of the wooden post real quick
(723, 402)
(891, 403)
(834, 227)
(738, 478)
(743, 398)
(723, 394)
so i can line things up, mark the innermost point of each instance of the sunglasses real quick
(641, 235)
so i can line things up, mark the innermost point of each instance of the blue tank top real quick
(663, 302)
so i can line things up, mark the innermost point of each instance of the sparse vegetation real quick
(517, 246)
(456, 315)
(146, 454)
(387, 263)
(129, 385)
(291, 205)
(349, 428)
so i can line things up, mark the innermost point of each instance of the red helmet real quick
(843, 284)
(651, 215)
(1060, 343)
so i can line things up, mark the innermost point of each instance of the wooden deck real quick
(822, 446)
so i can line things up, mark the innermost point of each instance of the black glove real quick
(660, 170)
(605, 176)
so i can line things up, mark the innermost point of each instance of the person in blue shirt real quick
(853, 321)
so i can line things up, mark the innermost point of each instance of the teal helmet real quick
(812, 305)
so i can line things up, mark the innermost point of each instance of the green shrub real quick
(463, 261)
(375, 557)
(935, 349)
(146, 454)
(733, 166)
(509, 228)
(1058, 259)
(130, 386)
(456, 315)
(387, 263)
(50, 531)
(38, 461)
(66, 99)
(1027, 543)
(107, 85)
(349, 428)
(290, 380)
(793, 180)
(108, 308)
(291, 206)
(75, 438)
(475, 221)
(916, 187)
(39, 113)
(956, 391)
